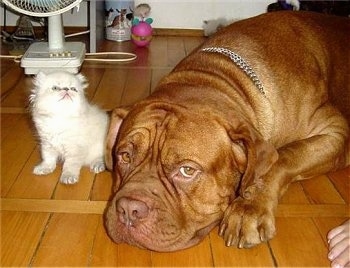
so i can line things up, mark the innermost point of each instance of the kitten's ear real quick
(116, 120)
(40, 76)
(82, 79)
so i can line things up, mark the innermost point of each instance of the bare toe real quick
(342, 260)
(345, 227)
(339, 244)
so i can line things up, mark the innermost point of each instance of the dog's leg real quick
(248, 222)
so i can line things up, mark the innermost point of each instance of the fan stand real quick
(54, 55)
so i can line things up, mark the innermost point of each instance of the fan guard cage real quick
(41, 8)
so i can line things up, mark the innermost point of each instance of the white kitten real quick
(70, 129)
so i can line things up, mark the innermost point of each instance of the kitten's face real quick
(58, 92)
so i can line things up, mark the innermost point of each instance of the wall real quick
(175, 14)
(190, 14)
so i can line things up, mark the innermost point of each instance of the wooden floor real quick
(45, 223)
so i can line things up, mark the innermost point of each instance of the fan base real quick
(39, 57)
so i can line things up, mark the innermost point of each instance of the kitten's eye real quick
(55, 88)
(74, 89)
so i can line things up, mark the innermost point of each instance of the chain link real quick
(241, 63)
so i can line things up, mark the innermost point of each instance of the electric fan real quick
(56, 54)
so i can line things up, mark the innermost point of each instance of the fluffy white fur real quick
(294, 3)
(210, 27)
(70, 129)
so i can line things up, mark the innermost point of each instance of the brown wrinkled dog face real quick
(174, 177)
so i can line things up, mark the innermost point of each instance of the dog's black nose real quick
(130, 211)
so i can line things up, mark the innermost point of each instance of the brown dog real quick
(228, 130)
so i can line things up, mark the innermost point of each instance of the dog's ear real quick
(253, 156)
(116, 120)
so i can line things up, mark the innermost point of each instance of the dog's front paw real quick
(43, 169)
(69, 178)
(247, 223)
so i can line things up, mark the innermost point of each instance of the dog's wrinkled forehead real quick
(174, 133)
(141, 119)
(177, 122)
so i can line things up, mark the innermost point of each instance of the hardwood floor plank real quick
(341, 181)
(157, 75)
(294, 195)
(296, 211)
(80, 190)
(19, 93)
(143, 60)
(93, 76)
(102, 188)
(20, 236)
(111, 88)
(15, 152)
(320, 190)
(109, 45)
(233, 257)
(29, 185)
(298, 243)
(54, 206)
(97, 207)
(6, 64)
(324, 225)
(8, 83)
(157, 52)
(176, 50)
(137, 86)
(254, 257)
(8, 124)
(67, 240)
(14, 110)
(191, 43)
(107, 253)
(176, 43)
(186, 257)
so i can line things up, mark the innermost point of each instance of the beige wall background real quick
(178, 14)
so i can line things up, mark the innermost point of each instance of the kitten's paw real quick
(43, 169)
(68, 178)
(98, 167)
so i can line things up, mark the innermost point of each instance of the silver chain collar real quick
(241, 63)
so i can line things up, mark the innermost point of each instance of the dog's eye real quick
(187, 172)
(125, 157)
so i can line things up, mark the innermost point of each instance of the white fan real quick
(56, 54)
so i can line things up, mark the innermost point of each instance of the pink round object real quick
(141, 34)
